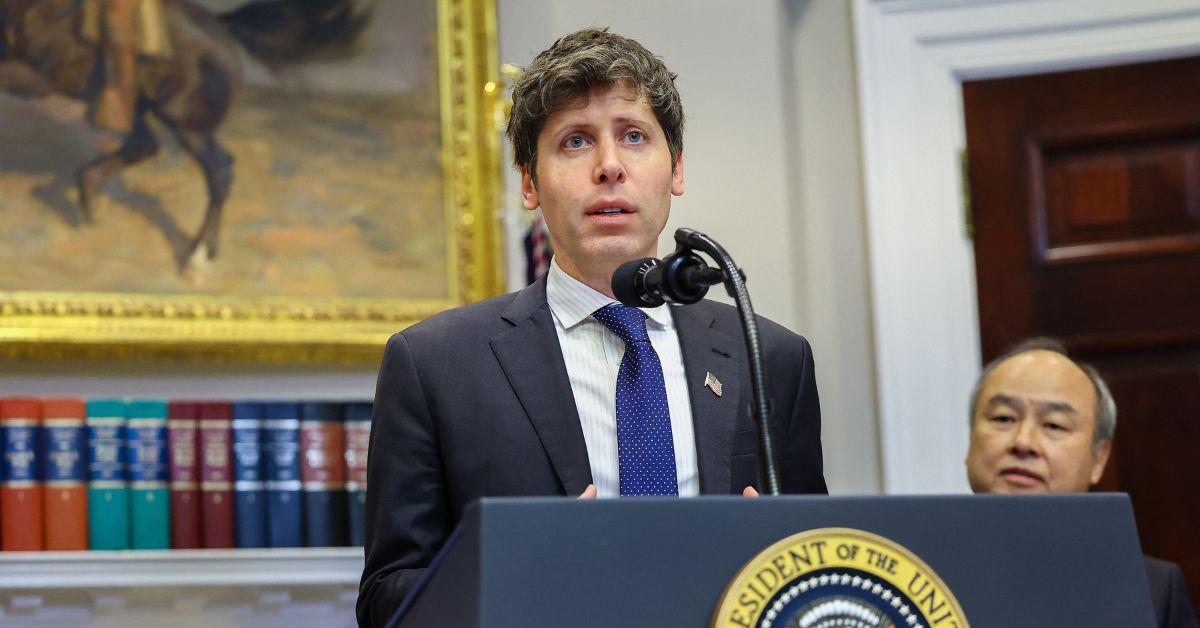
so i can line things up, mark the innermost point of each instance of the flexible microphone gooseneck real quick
(682, 278)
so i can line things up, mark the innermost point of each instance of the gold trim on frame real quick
(292, 330)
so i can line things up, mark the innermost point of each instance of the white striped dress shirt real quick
(593, 357)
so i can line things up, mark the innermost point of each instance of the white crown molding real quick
(912, 57)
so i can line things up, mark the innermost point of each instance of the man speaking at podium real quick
(1043, 423)
(557, 389)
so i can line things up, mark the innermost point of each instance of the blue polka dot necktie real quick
(645, 449)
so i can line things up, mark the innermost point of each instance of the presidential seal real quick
(837, 577)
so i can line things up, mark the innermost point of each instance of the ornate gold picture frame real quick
(329, 243)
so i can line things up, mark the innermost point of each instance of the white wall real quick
(831, 254)
(771, 164)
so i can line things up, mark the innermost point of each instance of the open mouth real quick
(609, 208)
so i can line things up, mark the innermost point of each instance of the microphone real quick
(682, 278)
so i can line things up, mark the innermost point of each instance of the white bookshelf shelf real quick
(251, 588)
(281, 567)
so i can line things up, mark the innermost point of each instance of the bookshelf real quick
(182, 588)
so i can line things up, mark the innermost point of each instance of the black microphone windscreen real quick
(629, 283)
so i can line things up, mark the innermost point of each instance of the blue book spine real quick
(249, 489)
(358, 436)
(108, 490)
(24, 450)
(65, 453)
(281, 434)
(149, 491)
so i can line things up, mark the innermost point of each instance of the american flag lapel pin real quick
(712, 383)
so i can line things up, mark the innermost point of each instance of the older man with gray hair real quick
(1043, 423)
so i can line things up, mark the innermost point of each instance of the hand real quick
(748, 492)
(589, 492)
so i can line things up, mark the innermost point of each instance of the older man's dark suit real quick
(1172, 608)
(477, 402)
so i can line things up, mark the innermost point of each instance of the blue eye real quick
(636, 137)
(574, 142)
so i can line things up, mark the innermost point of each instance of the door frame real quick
(912, 56)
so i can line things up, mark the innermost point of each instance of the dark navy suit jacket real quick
(476, 402)
(1172, 608)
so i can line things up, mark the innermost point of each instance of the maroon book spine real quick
(185, 475)
(216, 474)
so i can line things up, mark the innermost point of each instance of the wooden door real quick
(1085, 191)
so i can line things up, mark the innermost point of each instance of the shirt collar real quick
(572, 302)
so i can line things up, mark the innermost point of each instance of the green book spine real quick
(149, 491)
(150, 511)
(108, 492)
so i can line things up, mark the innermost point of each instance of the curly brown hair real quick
(578, 63)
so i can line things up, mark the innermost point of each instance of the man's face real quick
(1033, 426)
(604, 181)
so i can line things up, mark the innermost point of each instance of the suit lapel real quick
(531, 358)
(707, 350)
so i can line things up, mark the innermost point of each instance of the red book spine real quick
(323, 476)
(185, 475)
(358, 439)
(21, 517)
(216, 474)
(321, 444)
(66, 505)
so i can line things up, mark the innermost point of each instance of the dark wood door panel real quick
(1085, 193)
(1155, 450)
(1116, 191)
(1080, 169)
(1121, 299)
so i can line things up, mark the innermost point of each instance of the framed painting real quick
(245, 180)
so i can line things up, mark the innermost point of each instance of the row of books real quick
(112, 474)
